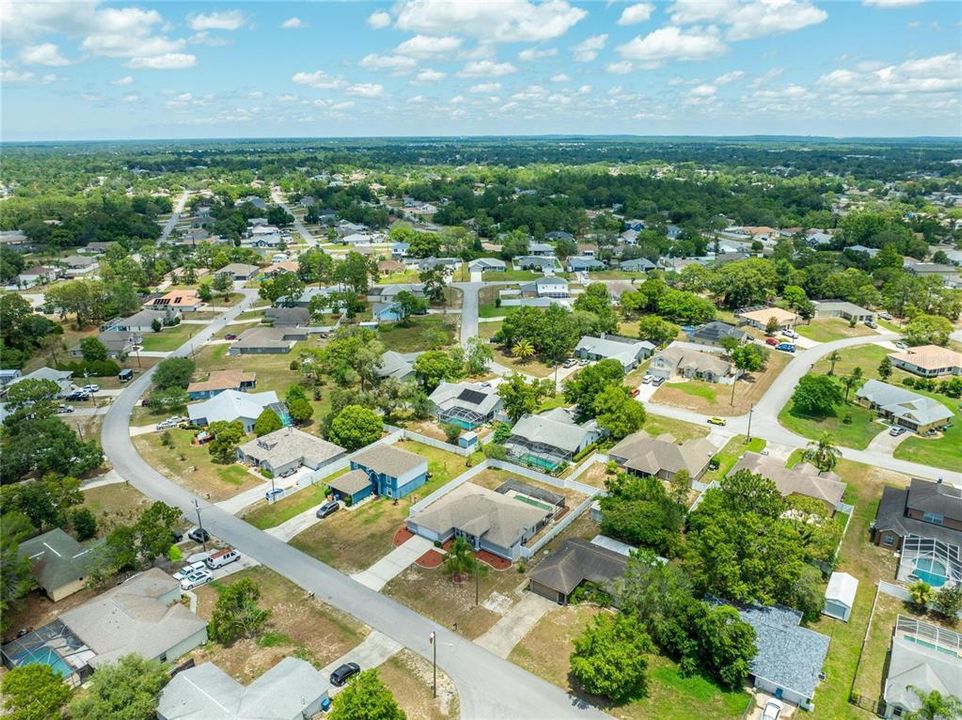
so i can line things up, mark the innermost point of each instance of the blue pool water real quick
(46, 656)
(930, 571)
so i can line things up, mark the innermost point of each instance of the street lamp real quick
(432, 638)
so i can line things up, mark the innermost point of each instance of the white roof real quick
(842, 588)
(232, 405)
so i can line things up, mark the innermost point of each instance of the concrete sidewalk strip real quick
(375, 649)
(111, 477)
(288, 529)
(394, 563)
(516, 623)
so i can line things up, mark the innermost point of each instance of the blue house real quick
(391, 472)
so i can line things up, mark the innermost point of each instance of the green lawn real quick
(170, 338)
(408, 276)
(943, 452)
(616, 275)
(867, 357)
(263, 515)
(856, 434)
(832, 329)
(490, 311)
(681, 430)
(701, 390)
(729, 455)
(494, 276)
(442, 465)
(425, 332)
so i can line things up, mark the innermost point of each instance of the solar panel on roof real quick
(472, 396)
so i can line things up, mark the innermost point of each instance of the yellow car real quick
(717, 421)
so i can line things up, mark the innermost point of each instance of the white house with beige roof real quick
(928, 361)
(760, 317)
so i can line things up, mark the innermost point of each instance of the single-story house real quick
(661, 456)
(576, 562)
(467, 405)
(265, 341)
(689, 362)
(78, 265)
(60, 564)
(840, 596)
(291, 690)
(486, 264)
(541, 249)
(39, 275)
(841, 309)
(387, 312)
(60, 377)
(535, 263)
(551, 438)
(182, 300)
(394, 365)
(587, 250)
(918, 413)
(393, 472)
(629, 237)
(117, 342)
(928, 361)
(232, 405)
(925, 509)
(220, 380)
(487, 519)
(389, 293)
(143, 615)
(546, 287)
(252, 200)
(789, 660)
(287, 316)
(286, 449)
(628, 351)
(8, 375)
(388, 267)
(278, 267)
(759, 318)
(803, 479)
(558, 235)
(712, 333)
(141, 322)
(637, 265)
(948, 273)
(400, 250)
(584, 264)
(448, 263)
(923, 657)
(239, 271)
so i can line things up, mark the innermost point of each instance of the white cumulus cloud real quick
(751, 19)
(560, 78)
(487, 68)
(225, 20)
(620, 68)
(379, 19)
(428, 76)
(489, 87)
(587, 49)
(423, 46)
(637, 13)
(939, 73)
(122, 81)
(672, 43)
(529, 54)
(317, 79)
(391, 63)
(167, 61)
(501, 21)
(43, 54)
(366, 90)
(886, 4)
(293, 23)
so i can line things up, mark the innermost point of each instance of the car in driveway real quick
(790, 334)
(188, 569)
(92, 388)
(871, 324)
(64, 409)
(658, 381)
(772, 711)
(785, 347)
(634, 392)
(344, 673)
(717, 421)
(884, 315)
(230, 336)
(288, 472)
(898, 430)
(570, 362)
(328, 508)
(198, 534)
(771, 341)
(195, 578)
(274, 494)
(901, 345)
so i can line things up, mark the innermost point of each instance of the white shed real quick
(840, 596)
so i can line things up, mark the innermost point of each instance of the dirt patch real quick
(115, 504)
(430, 559)
(409, 677)
(36, 610)
(402, 536)
(492, 560)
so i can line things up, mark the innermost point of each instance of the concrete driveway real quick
(394, 563)
(373, 650)
(296, 525)
(516, 623)
(884, 443)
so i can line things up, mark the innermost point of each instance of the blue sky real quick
(99, 70)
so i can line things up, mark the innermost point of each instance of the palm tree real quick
(523, 350)
(460, 559)
(851, 381)
(935, 706)
(921, 593)
(822, 453)
(834, 358)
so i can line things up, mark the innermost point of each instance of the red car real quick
(771, 341)
(230, 336)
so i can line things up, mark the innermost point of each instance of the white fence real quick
(432, 442)
(527, 472)
(529, 551)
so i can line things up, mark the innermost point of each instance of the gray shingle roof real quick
(803, 479)
(552, 430)
(913, 665)
(579, 560)
(389, 460)
(289, 444)
(470, 396)
(715, 330)
(394, 365)
(650, 455)
(350, 482)
(58, 559)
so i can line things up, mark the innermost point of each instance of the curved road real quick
(488, 686)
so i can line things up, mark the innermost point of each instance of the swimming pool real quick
(931, 571)
(45, 656)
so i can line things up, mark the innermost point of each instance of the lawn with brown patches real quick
(409, 678)
(299, 625)
(115, 504)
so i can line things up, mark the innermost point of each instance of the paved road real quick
(175, 216)
(488, 686)
(469, 310)
(298, 225)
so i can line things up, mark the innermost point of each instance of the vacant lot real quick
(729, 455)
(832, 329)
(170, 338)
(545, 651)
(855, 434)
(658, 425)
(427, 332)
(191, 466)
(409, 678)
(717, 399)
(116, 504)
(263, 514)
(299, 626)
(509, 275)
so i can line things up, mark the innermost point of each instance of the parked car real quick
(221, 558)
(288, 472)
(790, 334)
(646, 380)
(230, 336)
(92, 388)
(188, 569)
(584, 361)
(785, 347)
(273, 494)
(570, 362)
(328, 508)
(63, 409)
(773, 709)
(898, 430)
(344, 673)
(195, 579)
(658, 381)
(634, 392)
(872, 324)
(901, 345)
(126, 375)
(884, 315)
(771, 341)
(717, 421)
(176, 536)
(198, 534)
(78, 395)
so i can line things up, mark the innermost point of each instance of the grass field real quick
(509, 275)
(116, 504)
(616, 275)
(545, 651)
(263, 514)
(299, 626)
(170, 338)
(190, 465)
(832, 329)
(856, 434)
(942, 452)
(409, 678)
(681, 430)
(425, 333)
(729, 455)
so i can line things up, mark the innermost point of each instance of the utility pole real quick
(750, 411)
(477, 584)
(200, 525)
(433, 638)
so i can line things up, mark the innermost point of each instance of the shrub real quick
(451, 432)
(847, 418)
(84, 523)
(908, 382)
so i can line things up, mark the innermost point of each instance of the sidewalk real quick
(394, 563)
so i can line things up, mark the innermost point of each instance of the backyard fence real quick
(527, 472)
(528, 552)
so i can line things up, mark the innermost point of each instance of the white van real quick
(220, 558)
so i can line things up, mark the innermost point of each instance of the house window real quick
(934, 518)
(888, 539)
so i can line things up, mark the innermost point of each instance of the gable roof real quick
(554, 429)
(803, 479)
(905, 404)
(650, 455)
(715, 330)
(223, 380)
(937, 497)
(841, 588)
(613, 347)
(579, 560)
(891, 517)
(389, 460)
(262, 337)
(58, 559)
(350, 482)
(394, 365)
(688, 358)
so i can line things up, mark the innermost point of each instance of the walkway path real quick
(394, 563)
(518, 622)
